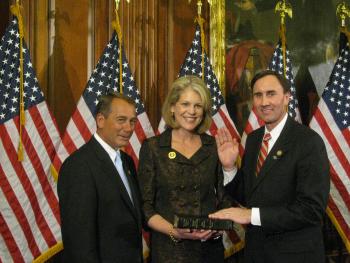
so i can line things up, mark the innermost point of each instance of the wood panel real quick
(70, 57)
(4, 15)
(156, 37)
(38, 33)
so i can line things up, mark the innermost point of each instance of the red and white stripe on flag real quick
(29, 213)
(29, 219)
(338, 149)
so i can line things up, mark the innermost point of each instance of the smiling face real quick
(116, 127)
(270, 100)
(188, 110)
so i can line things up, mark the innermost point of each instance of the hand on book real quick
(236, 214)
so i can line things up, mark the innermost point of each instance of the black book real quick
(192, 222)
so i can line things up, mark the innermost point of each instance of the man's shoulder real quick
(81, 154)
(303, 132)
(256, 133)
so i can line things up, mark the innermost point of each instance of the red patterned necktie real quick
(263, 152)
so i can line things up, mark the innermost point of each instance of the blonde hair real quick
(179, 85)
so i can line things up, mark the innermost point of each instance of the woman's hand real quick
(194, 234)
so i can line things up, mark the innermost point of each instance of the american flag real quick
(29, 213)
(104, 78)
(192, 65)
(276, 64)
(332, 121)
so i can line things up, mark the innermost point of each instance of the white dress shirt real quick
(113, 155)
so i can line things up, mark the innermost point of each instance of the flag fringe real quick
(54, 172)
(49, 253)
(234, 249)
(339, 229)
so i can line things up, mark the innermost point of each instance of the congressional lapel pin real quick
(172, 155)
(278, 155)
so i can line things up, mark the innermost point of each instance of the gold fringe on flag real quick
(16, 10)
(49, 253)
(54, 173)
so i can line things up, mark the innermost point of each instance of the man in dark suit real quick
(98, 191)
(283, 182)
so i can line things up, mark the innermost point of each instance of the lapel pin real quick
(278, 155)
(171, 155)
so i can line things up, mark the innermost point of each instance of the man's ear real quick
(288, 94)
(100, 120)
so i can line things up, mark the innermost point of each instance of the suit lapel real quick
(110, 171)
(132, 184)
(278, 150)
(251, 158)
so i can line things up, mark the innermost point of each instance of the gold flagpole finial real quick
(199, 4)
(343, 12)
(284, 8)
(199, 7)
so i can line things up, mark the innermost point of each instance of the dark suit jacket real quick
(291, 191)
(99, 221)
(176, 185)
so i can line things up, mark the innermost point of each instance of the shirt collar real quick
(111, 152)
(275, 132)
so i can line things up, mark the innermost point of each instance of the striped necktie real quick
(263, 152)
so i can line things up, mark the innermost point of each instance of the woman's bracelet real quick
(171, 235)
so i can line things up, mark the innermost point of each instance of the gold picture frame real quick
(217, 40)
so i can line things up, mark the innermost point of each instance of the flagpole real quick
(117, 28)
(201, 22)
(284, 8)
